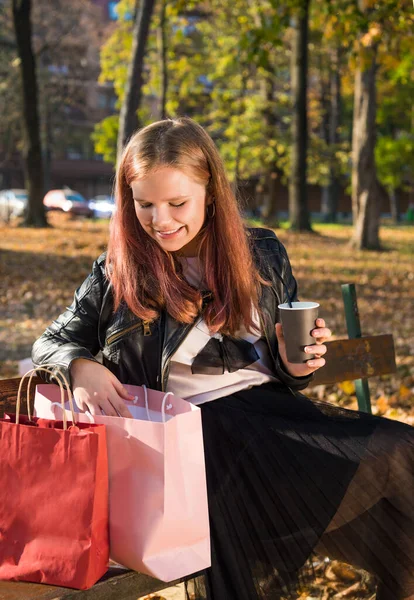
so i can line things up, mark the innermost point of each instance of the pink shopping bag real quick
(158, 510)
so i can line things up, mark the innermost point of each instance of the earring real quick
(213, 212)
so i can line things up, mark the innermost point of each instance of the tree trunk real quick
(162, 31)
(366, 192)
(330, 193)
(270, 116)
(269, 200)
(32, 151)
(269, 210)
(46, 137)
(128, 118)
(298, 209)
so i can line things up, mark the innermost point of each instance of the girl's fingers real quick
(120, 406)
(323, 333)
(279, 329)
(108, 408)
(122, 410)
(319, 349)
(94, 409)
(80, 403)
(122, 391)
(316, 363)
(114, 406)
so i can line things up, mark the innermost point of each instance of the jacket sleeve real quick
(289, 286)
(74, 334)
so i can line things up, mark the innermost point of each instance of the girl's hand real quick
(97, 390)
(321, 335)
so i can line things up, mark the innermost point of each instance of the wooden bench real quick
(357, 358)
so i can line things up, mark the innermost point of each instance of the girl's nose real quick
(161, 216)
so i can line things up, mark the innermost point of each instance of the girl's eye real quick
(173, 205)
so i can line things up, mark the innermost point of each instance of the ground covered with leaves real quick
(41, 268)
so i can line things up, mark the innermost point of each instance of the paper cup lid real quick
(299, 305)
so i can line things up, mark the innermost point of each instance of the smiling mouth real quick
(170, 233)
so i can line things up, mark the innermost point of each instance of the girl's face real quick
(171, 208)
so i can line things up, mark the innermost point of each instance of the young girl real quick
(186, 300)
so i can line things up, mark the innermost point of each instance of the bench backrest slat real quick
(8, 394)
(359, 358)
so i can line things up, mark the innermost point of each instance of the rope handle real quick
(59, 377)
(163, 407)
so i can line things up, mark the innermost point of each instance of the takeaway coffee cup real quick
(298, 322)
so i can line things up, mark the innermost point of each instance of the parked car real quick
(12, 204)
(102, 207)
(67, 200)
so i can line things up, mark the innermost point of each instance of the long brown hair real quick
(149, 279)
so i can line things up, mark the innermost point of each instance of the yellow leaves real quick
(382, 405)
(348, 387)
(372, 36)
(404, 391)
(395, 414)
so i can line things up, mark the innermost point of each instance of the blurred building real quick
(68, 121)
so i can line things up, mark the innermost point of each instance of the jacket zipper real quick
(147, 328)
(115, 336)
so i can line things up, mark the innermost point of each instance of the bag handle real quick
(32, 373)
(163, 408)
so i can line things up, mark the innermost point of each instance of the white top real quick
(200, 388)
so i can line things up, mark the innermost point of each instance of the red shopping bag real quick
(53, 500)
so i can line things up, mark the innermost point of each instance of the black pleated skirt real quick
(290, 479)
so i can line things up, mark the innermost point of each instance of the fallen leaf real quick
(339, 570)
(382, 405)
(404, 391)
(348, 387)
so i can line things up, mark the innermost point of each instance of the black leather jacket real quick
(139, 352)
